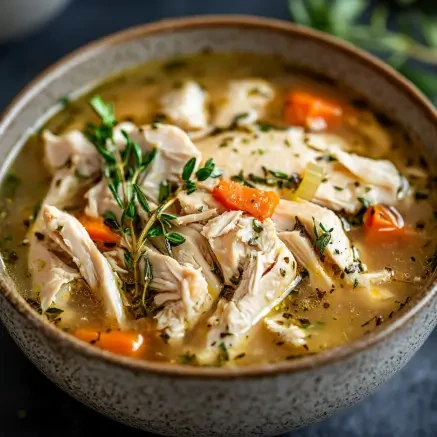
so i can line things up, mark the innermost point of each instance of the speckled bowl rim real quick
(304, 363)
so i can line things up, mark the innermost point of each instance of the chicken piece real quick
(312, 216)
(254, 262)
(174, 149)
(301, 247)
(71, 237)
(186, 106)
(194, 218)
(347, 177)
(289, 333)
(49, 273)
(182, 292)
(369, 280)
(198, 202)
(196, 252)
(262, 287)
(235, 152)
(100, 199)
(244, 101)
(65, 189)
(74, 149)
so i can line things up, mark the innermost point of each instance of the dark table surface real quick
(32, 406)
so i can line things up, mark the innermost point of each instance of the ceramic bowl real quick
(256, 400)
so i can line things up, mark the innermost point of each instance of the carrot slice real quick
(260, 204)
(98, 231)
(306, 109)
(380, 218)
(130, 344)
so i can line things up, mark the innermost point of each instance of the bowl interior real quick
(300, 47)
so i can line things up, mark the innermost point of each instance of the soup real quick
(218, 210)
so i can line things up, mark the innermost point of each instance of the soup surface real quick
(218, 210)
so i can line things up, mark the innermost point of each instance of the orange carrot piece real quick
(130, 344)
(98, 231)
(305, 109)
(380, 218)
(260, 204)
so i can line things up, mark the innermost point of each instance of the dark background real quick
(32, 406)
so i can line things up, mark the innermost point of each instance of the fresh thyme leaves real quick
(209, 170)
(188, 169)
(142, 199)
(323, 239)
(124, 168)
(104, 110)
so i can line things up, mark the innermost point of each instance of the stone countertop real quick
(30, 405)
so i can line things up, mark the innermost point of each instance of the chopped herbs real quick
(223, 354)
(187, 358)
(257, 226)
(322, 239)
(364, 202)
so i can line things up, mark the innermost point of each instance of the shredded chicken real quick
(347, 176)
(182, 292)
(174, 149)
(259, 267)
(244, 101)
(186, 106)
(73, 149)
(339, 249)
(71, 237)
(49, 273)
(289, 333)
(302, 248)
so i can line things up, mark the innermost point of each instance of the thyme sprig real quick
(124, 170)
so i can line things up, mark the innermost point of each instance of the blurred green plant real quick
(401, 32)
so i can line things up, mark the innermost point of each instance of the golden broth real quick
(330, 318)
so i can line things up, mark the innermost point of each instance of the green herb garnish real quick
(123, 169)
(257, 226)
(187, 358)
(323, 239)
